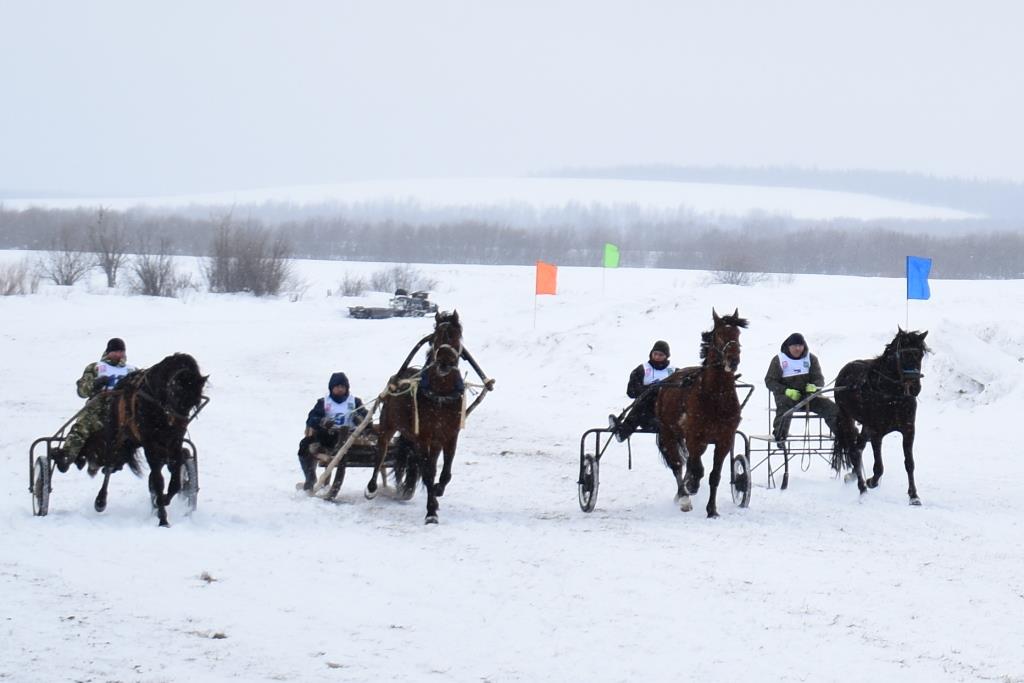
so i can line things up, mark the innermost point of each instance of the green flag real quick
(611, 256)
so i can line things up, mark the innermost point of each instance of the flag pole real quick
(535, 311)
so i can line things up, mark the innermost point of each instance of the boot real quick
(61, 458)
(309, 470)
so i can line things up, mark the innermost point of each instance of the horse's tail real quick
(135, 463)
(844, 444)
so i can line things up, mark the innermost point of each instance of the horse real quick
(150, 409)
(697, 406)
(880, 394)
(426, 407)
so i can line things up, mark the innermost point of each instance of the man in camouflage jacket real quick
(96, 379)
(793, 374)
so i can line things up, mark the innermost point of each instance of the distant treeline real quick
(766, 244)
(994, 198)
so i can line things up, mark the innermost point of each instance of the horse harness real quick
(128, 410)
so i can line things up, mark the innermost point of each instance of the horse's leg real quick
(876, 449)
(673, 450)
(101, 498)
(156, 491)
(174, 486)
(384, 433)
(721, 450)
(694, 465)
(908, 462)
(429, 473)
(446, 467)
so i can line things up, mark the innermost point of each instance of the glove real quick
(792, 394)
(100, 383)
(328, 423)
(811, 388)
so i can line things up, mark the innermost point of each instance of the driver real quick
(331, 417)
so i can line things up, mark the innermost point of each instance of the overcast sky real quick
(117, 98)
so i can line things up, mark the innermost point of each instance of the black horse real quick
(880, 394)
(150, 409)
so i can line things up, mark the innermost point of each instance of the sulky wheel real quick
(739, 481)
(41, 486)
(190, 482)
(588, 484)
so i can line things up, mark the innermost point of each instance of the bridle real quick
(173, 416)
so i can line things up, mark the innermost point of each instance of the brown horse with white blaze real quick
(426, 408)
(698, 406)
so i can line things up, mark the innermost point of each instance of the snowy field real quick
(403, 200)
(816, 583)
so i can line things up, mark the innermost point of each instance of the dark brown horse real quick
(697, 406)
(150, 409)
(426, 408)
(880, 394)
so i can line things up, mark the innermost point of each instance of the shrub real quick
(18, 279)
(248, 260)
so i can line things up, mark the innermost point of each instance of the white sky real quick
(152, 98)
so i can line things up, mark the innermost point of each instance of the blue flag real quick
(917, 277)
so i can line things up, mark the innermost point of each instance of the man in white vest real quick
(331, 418)
(97, 379)
(642, 386)
(794, 374)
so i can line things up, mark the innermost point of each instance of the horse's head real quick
(906, 352)
(180, 383)
(446, 343)
(720, 346)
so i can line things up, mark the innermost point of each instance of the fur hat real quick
(115, 344)
(337, 379)
(661, 346)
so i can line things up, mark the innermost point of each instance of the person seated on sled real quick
(96, 379)
(328, 423)
(794, 374)
(642, 386)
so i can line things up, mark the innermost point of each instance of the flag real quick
(917, 277)
(547, 277)
(611, 256)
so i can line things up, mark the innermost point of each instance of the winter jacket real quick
(318, 413)
(778, 384)
(87, 385)
(636, 386)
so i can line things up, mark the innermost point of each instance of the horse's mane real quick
(707, 337)
(907, 340)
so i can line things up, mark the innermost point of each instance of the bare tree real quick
(153, 272)
(107, 240)
(65, 263)
(736, 269)
(248, 259)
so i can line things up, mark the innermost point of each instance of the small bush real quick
(248, 260)
(17, 279)
(156, 275)
(400, 277)
(352, 285)
(66, 263)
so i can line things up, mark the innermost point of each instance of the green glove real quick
(793, 394)
(811, 388)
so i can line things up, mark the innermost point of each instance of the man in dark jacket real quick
(642, 387)
(329, 420)
(793, 375)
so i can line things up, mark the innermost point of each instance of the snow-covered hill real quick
(455, 197)
(516, 583)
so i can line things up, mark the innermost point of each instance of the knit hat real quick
(337, 379)
(115, 344)
(661, 346)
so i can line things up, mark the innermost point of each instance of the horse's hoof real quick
(872, 483)
(685, 504)
(164, 524)
(100, 507)
(431, 519)
(370, 495)
(915, 501)
(712, 514)
(848, 477)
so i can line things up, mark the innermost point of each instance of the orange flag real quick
(547, 277)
